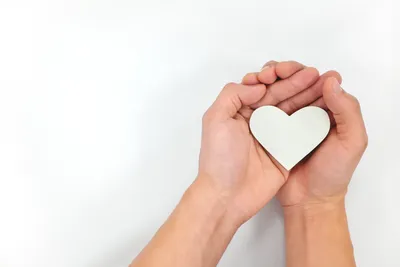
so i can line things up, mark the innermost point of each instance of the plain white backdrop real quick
(100, 118)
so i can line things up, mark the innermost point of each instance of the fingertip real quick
(234, 96)
(313, 75)
(250, 79)
(334, 74)
(313, 71)
(331, 94)
(250, 94)
(267, 75)
(334, 86)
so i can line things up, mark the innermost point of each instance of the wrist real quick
(197, 232)
(316, 209)
(210, 204)
(317, 235)
(202, 221)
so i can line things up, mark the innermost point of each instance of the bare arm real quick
(236, 177)
(313, 198)
(196, 233)
(318, 235)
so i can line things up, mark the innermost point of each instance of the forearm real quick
(196, 234)
(318, 235)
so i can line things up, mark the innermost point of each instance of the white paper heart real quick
(289, 138)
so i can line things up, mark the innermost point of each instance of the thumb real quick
(234, 96)
(346, 112)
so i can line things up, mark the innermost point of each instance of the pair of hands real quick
(245, 176)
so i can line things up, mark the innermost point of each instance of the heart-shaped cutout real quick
(289, 138)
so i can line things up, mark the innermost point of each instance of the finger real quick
(289, 87)
(320, 102)
(307, 96)
(268, 74)
(246, 112)
(288, 68)
(232, 98)
(270, 63)
(346, 112)
(252, 77)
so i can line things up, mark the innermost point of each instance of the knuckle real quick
(293, 62)
(355, 103)
(361, 143)
(208, 116)
(365, 140)
(271, 62)
(229, 86)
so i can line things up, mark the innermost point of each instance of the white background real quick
(100, 118)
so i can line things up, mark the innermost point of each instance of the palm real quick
(244, 166)
(318, 177)
(262, 177)
(230, 157)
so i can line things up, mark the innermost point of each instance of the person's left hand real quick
(231, 160)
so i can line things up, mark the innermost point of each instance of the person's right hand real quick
(325, 175)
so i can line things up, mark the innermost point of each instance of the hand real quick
(325, 175)
(231, 160)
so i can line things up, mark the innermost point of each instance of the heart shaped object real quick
(289, 138)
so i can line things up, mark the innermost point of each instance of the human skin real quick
(313, 197)
(236, 176)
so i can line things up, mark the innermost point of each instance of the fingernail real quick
(336, 87)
